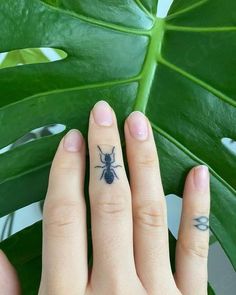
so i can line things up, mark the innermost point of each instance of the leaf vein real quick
(71, 89)
(100, 23)
(187, 9)
(198, 81)
(25, 172)
(143, 8)
(200, 29)
(191, 155)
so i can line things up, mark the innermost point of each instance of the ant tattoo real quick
(108, 172)
(202, 223)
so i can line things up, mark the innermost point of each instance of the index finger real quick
(64, 222)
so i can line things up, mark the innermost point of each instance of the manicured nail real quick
(73, 141)
(201, 177)
(138, 125)
(102, 113)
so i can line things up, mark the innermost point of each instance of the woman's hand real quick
(128, 220)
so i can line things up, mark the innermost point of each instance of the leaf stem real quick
(150, 64)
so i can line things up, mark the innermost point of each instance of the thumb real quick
(9, 282)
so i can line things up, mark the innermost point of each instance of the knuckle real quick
(60, 216)
(117, 287)
(118, 283)
(109, 204)
(148, 159)
(195, 248)
(65, 170)
(150, 214)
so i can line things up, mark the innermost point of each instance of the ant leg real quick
(116, 166)
(102, 174)
(100, 166)
(114, 173)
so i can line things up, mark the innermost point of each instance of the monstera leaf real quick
(179, 70)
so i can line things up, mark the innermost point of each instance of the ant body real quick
(108, 172)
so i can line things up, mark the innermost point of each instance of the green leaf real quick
(179, 71)
(150, 5)
(183, 6)
(172, 246)
(210, 290)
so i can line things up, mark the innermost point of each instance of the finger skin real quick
(149, 208)
(193, 241)
(64, 223)
(9, 283)
(111, 212)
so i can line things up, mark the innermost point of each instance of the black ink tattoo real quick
(108, 172)
(202, 223)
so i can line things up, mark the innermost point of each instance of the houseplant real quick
(178, 70)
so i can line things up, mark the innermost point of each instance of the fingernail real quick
(102, 113)
(138, 125)
(201, 177)
(73, 141)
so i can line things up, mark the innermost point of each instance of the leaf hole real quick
(163, 8)
(20, 219)
(35, 134)
(229, 144)
(28, 56)
(174, 207)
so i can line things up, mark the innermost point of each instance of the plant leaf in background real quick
(179, 70)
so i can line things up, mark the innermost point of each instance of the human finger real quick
(193, 241)
(110, 199)
(9, 282)
(151, 245)
(64, 221)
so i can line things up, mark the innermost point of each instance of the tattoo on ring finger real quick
(201, 223)
(108, 159)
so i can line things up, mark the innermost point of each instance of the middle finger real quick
(110, 199)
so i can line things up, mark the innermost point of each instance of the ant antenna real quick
(100, 150)
(112, 150)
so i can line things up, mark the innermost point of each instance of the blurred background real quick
(221, 274)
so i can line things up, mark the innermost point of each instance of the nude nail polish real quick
(138, 126)
(201, 177)
(102, 113)
(73, 141)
